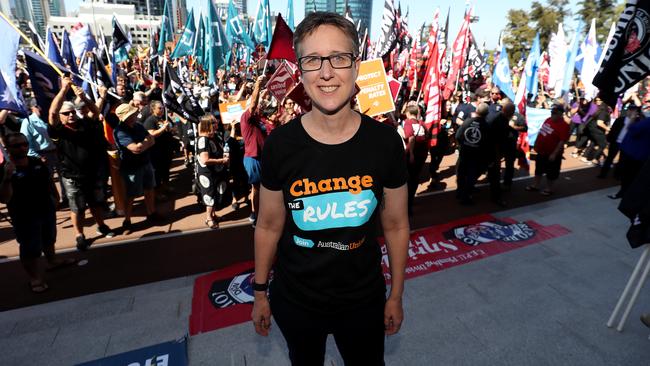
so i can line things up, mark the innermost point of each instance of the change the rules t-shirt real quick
(328, 257)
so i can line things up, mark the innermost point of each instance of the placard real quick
(231, 112)
(375, 96)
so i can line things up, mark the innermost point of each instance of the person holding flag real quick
(327, 177)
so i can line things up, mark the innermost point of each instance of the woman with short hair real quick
(211, 164)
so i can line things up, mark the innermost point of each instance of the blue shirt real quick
(124, 136)
(35, 130)
(636, 143)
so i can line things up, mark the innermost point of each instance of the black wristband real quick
(260, 286)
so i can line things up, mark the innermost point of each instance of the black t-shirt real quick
(125, 135)
(474, 137)
(32, 191)
(164, 141)
(81, 149)
(464, 111)
(328, 257)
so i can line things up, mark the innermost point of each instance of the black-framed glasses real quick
(337, 61)
(67, 113)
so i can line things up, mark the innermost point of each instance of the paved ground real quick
(545, 304)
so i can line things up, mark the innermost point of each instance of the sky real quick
(491, 13)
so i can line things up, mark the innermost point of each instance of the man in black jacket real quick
(616, 135)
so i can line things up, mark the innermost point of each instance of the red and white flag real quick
(458, 58)
(432, 94)
(522, 140)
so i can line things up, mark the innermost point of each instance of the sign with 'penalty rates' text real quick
(375, 97)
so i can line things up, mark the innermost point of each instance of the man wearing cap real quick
(549, 147)
(134, 143)
(82, 152)
(41, 145)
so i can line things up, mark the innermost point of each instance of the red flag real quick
(432, 95)
(282, 42)
(431, 42)
(522, 141)
(458, 58)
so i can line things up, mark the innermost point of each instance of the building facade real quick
(100, 15)
(360, 9)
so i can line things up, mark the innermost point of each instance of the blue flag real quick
(532, 64)
(290, 21)
(217, 43)
(262, 28)
(571, 59)
(185, 45)
(51, 49)
(235, 29)
(199, 42)
(11, 96)
(82, 40)
(166, 29)
(45, 80)
(501, 76)
(68, 56)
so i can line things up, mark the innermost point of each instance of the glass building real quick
(360, 9)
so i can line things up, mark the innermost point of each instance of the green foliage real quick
(518, 36)
(604, 11)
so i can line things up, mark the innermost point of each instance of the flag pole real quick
(29, 41)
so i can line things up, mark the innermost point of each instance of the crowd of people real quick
(119, 145)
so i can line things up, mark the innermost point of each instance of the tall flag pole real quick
(235, 29)
(501, 76)
(185, 45)
(217, 43)
(571, 59)
(166, 28)
(627, 60)
(557, 50)
(388, 35)
(458, 58)
(531, 67)
(290, 16)
(262, 27)
(589, 63)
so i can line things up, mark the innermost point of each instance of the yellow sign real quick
(375, 97)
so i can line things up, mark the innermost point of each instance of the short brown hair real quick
(206, 123)
(319, 18)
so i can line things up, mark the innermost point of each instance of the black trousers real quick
(612, 151)
(599, 142)
(161, 160)
(630, 168)
(414, 170)
(469, 168)
(358, 333)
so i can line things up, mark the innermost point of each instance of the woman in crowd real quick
(211, 166)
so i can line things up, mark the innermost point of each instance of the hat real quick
(557, 108)
(124, 111)
(67, 107)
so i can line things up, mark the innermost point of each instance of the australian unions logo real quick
(232, 291)
(489, 231)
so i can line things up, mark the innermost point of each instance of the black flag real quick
(389, 29)
(178, 98)
(627, 60)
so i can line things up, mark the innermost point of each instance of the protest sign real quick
(281, 82)
(375, 96)
(231, 112)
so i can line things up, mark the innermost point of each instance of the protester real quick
(83, 155)
(549, 147)
(327, 275)
(162, 152)
(417, 143)
(41, 145)
(617, 134)
(211, 169)
(473, 141)
(254, 133)
(28, 190)
(134, 143)
(596, 129)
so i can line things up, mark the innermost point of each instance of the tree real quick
(547, 17)
(518, 36)
(604, 11)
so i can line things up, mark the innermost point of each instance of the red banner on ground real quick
(225, 297)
